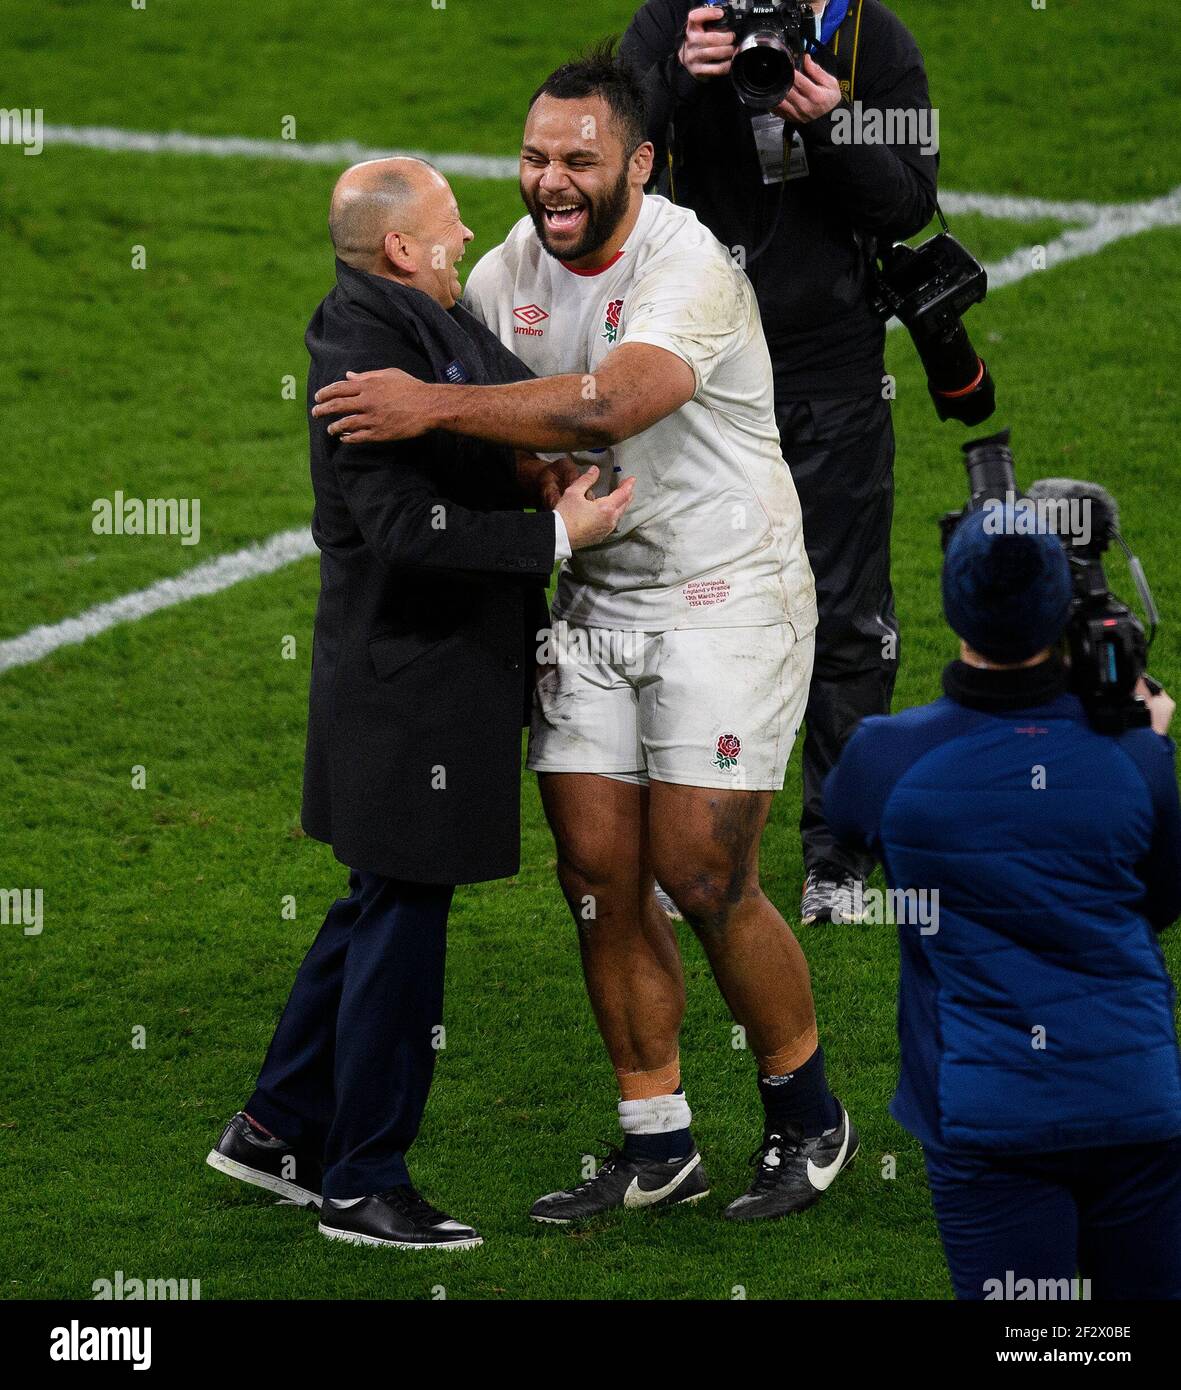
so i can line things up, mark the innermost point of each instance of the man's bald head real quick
(375, 198)
(398, 218)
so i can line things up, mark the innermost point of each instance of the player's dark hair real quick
(601, 73)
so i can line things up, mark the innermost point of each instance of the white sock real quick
(658, 1115)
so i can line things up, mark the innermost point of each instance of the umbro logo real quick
(530, 316)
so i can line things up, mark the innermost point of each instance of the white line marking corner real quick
(209, 578)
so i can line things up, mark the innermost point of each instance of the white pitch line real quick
(1118, 221)
(1002, 207)
(99, 137)
(475, 166)
(1115, 224)
(214, 575)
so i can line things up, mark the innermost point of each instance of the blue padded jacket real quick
(1039, 1014)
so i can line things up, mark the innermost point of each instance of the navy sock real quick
(800, 1099)
(660, 1148)
(663, 1148)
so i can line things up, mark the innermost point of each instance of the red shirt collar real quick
(597, 270)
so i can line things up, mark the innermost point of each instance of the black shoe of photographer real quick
(831, 894)
(400, 1218)
(793, 1173)
(246, 1153)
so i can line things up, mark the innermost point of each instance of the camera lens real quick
(960, 384)
(991, 472)
(763, 70)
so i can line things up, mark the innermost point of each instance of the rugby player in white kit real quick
(675, 678)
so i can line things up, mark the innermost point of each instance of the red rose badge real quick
(611, 322)
(728, 749)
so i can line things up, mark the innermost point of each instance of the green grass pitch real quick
(162, 905)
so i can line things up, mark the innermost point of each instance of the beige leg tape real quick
(793, 1055)
(643, 1085)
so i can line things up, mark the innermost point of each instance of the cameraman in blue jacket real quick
(1040, 1066)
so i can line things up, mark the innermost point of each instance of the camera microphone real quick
(1093, 513)
(1087, 513)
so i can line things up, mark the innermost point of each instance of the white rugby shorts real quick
(700, 707)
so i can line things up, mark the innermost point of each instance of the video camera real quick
(1106, 641)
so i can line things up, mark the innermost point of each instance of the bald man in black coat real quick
(432, 600)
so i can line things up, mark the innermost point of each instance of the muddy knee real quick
(706, 900)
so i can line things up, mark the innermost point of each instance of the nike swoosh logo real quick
(820, 1178)
(635, 1196)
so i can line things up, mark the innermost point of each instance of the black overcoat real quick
(431, 594)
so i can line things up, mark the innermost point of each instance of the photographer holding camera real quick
(801, 201)
(1039, 1059)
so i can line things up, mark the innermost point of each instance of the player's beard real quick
(603, 217)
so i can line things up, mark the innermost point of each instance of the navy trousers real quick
(841, 457)
(348, 1071)
(1109, 1215)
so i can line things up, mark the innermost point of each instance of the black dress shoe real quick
(250, 1156)
(401, 1218)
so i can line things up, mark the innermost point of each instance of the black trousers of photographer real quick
(349, 1068)
(841, 456)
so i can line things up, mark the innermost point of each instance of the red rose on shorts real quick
(728, 749)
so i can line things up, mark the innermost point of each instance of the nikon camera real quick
(772, 37)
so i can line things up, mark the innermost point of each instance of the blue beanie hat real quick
(1007, 594)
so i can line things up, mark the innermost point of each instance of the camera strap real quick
(836, 46)
(790, 135)
(878, 254)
